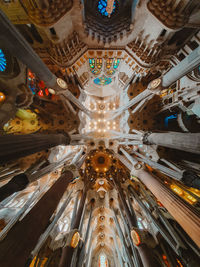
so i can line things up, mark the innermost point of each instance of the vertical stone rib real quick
(183, 213)
(67, 252)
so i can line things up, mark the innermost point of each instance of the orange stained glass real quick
(109, 62)
(99, 63)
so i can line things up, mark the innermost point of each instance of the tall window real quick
(102, 4)
(103, 262)
(3, 62)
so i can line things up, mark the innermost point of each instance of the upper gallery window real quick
(103, 262)
(102, 7)
(3, 62)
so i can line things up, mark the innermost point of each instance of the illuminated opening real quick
(102, 7)
(3, 62)
(103, 262)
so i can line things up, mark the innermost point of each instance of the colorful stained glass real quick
(116, 63)
(103, 261)
(109, 62)
(92, 63)
(102, 7)
(103, 80)
(3, 62)
(37, 87)
(95, 65)
(110, 72)
(99, 63)
(96, 72)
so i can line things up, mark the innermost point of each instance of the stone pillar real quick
(182, 68)
(17, 183)
(143, 95)
(189, 142)
(183, 213)
(17, 146)
(83, 248)
(23, 237)
(67, 252)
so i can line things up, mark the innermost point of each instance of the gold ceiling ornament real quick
(155, 83)
(62, 83)
(101, 162)
(75, 240)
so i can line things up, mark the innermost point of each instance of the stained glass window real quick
(116, 63)
(37, 87)
(99, 63)
(96, 72)
(103, 262)
(92, 63)
(110, 72)
(102, 7)
(103, 80)
(3, 62)
(95, 65)
(109, 62)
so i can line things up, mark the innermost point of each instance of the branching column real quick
(181, 69)
(68, 251)
(143, 250)
(23, 237)
(189, 142)
(182, 212)
(17, 146)
(17, 183)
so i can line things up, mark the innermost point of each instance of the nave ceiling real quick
(104, 97)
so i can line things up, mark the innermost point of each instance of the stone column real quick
(143, 95)
(23, 237)
(182, 68)
(83, 248)
(189, 142)
(67, 252)
(122, 239)
(186, 215)
(17, 183)
(17, 146)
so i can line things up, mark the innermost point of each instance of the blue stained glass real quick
(3, 62)
(103, 80)
(102, 7)
(116, 63)
(171, 117)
